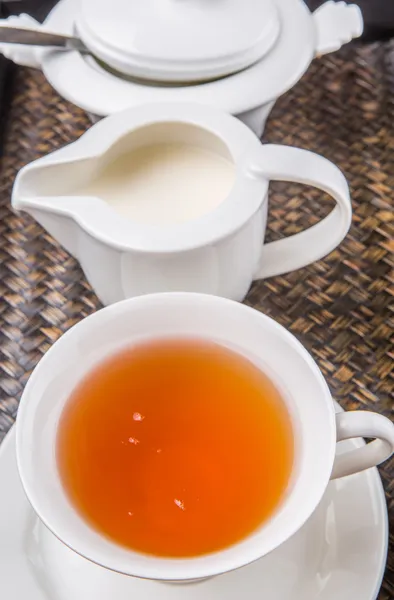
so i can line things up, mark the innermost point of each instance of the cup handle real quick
(360, 423)
(285, 163)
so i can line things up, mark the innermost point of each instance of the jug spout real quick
(42, 190)
(62, 228)
(51, 176)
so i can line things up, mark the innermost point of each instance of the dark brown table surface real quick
(340, 307)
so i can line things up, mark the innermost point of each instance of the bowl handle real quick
(336, 23)
(25, 56)
(285, 163)
(361, 423)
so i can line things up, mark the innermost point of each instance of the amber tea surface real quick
(175, 447)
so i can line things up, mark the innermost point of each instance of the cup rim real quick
(162, 568)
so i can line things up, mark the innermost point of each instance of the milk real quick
(164, 184)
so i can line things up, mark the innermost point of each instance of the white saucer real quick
(339, 554)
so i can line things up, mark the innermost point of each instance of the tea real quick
(175, 447)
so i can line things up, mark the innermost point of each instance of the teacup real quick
(316, 427)
(220, 252)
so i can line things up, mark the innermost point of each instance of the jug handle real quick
(285, 163)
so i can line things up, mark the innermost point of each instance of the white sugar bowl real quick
(236, 55)
(174, 197)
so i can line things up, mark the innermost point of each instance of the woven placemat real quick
(339, 307)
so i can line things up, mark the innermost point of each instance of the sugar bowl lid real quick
(178, 40)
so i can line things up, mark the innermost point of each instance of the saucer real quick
(339, 553)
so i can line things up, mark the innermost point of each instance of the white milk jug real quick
(174, 197)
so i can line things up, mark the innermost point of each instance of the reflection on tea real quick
(175, 447)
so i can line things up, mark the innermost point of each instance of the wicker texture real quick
(339, 307)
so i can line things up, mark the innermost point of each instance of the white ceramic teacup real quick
(270, 346)
(219, 253)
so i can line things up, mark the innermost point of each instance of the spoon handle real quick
(33, 37)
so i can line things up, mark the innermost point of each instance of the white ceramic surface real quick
(220, 253)
(272, 348)
(176, 40)
(339, 554)
(83, 82)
